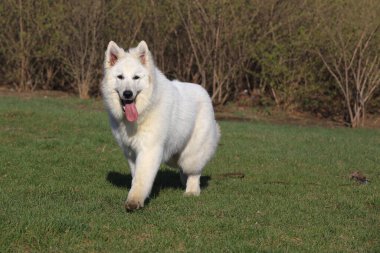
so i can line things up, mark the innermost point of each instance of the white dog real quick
(155, 120)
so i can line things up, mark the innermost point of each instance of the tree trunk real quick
(84, 89)
(22, 85)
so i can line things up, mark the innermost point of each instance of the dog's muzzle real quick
(126, 98)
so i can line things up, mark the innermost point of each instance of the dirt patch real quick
(274, 116)
(7, 91)
(16, 114)
(233, 112)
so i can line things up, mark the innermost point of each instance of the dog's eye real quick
(121, 77)
(135, 77)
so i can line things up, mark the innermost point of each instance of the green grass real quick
(63, 182)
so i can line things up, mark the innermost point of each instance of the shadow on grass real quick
(164, 179)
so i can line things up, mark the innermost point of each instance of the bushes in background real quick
(288, 53)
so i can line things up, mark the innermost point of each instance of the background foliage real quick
(272, 50)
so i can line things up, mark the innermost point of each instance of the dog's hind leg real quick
(193, 185)
(191, 182)
(190, 174)
(194, 157)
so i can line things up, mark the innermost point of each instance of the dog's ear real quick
(142, 50)
(142, 53)
(113, 54)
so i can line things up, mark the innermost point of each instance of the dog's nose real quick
(128, 94)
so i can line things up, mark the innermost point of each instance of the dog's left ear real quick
(142, 52)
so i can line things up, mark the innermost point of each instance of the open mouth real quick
(129, 108)
(126, 102)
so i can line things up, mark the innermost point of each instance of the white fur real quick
(176, 123)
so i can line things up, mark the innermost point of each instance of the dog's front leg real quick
(131, 157)
(132, 167)
(147, 164)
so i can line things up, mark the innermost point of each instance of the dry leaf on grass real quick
(359, 177)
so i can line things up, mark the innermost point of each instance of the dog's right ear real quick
(113, 54)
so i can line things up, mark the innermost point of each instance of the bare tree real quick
(83, 46)
(28, 41)
(218, 48)
(265, 48)
(16, 40)
(356, 71)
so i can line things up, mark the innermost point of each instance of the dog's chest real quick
(127, 136)
(131, 136)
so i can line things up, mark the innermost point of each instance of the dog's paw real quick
(193, 193)
(132, 205)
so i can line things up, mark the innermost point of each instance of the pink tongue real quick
(131, 112)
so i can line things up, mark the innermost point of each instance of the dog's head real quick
(129, 75)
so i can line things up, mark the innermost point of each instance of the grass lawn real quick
(64, 180)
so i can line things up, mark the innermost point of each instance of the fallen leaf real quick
(359, 177)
